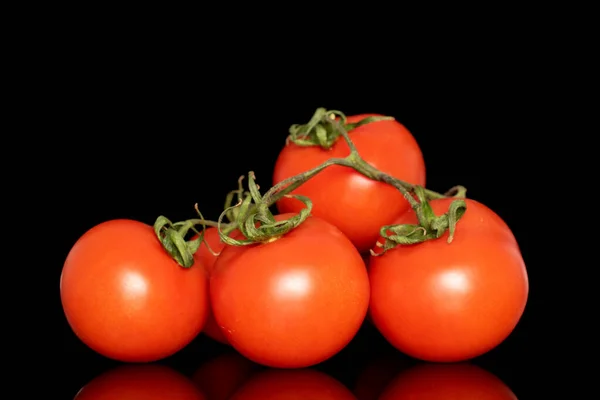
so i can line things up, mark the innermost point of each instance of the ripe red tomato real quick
(126, 298)
(444, 302)
(452, 381)
(357, 205)
(207, 260)
(140, 382)
(293, 302)
(300, 384)
(222, 376)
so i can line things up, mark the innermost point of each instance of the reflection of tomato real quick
(140, 382)
(357, 205)
(444, 302)
(447, 382)
(207, 259)
(220, 377)
(126, 298)
(377, 374)
(293, 302)
(299, 384)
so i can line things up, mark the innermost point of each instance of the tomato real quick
(140, 382)
(299, 384)
(292, 302)
(357, 205)
(207, 259)
(447, 382)
(126, 298)
(220, 377)
(444, 302)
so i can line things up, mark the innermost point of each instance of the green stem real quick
(356, 162)
(456, 191)
(255, 221)
(315, 133)
(172, 235)
(257, 224)
(430, 226)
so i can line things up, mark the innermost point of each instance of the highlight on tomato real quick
(448, 302)
(293, 384)
(294, 300)
(447, 382)
(128, 299)
(140, 382)
(223, 375)
(353, 202)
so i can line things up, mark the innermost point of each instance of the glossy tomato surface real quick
(140, 382)
(300, 384)
(293, 302)
(357, 205)
(126, 298)
(222, 376)
(447, 382)
(207, 260)
(444, 302)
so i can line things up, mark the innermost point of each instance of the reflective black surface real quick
(368, 368)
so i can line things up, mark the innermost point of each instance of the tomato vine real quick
(251, 214)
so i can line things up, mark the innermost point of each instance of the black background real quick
(143, 135)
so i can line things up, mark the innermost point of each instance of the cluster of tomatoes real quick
(298, 298)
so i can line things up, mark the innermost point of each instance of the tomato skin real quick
(207, 259)
(299, 384)
(222, 376)
(357, 205)
(293, 302)
(126, 298)
(140, 382)
(452, 381)
(444, 302)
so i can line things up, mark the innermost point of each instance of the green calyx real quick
(430, 226)
(318, 132)
(256, 222)
(172, 237)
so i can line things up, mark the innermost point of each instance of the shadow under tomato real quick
(463, 381)
(207, 259)
(140, 382)
(294, 384)
(220, 377)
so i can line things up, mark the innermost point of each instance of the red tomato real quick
(300, 384)
(357, 205)
(207, 259)
(293, 302)
(444, 302)
(220, 377)
(126, 298)
(140, 382)
(447, 382)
